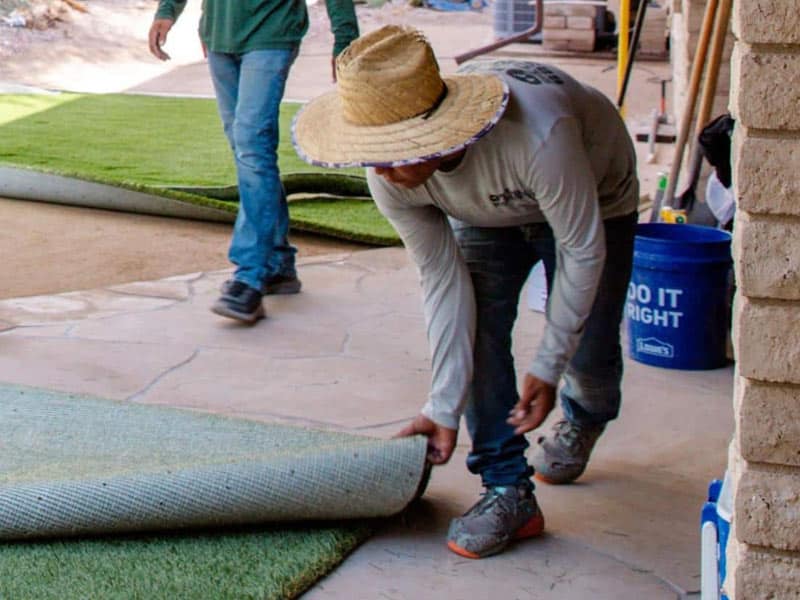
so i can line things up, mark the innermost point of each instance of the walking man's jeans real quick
(249, 88)
(500, 260)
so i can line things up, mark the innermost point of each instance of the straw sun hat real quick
(393, 108)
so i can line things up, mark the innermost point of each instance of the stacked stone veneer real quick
(764, 550)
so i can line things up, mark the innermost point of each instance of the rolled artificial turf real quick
(156, 144)
(199, 506)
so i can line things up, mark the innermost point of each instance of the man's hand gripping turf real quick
(441, 440)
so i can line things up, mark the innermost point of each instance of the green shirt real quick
(238, 26)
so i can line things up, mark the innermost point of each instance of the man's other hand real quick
(158, 37)
(537, 398)
(441, 440)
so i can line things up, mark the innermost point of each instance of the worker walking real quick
(251, 45)
(483, 174)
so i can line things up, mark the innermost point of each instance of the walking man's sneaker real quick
(561, 456)
(239, 301)
(503, 514)
(274, 286)
(281, 284)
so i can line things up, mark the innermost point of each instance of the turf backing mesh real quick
(74, 465)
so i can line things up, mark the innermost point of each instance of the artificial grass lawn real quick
(147, 143)
(258, 563)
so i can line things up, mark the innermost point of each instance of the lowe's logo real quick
(655, 347)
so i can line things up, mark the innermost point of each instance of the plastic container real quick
(456, 5)
(674, 216)
(677, 311)
(720, 200)
(512, 17)
(715, 524)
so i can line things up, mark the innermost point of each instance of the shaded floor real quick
(349, 353)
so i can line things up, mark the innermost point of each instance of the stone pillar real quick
(764, 548)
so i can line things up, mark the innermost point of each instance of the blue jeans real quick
(249, 88)
(500, 260)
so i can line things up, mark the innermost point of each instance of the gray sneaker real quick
(503, 514)
(562, 456)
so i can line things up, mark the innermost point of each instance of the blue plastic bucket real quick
(677, 310)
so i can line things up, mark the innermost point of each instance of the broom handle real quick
(710, 83)
(709, 88)
(688, 112)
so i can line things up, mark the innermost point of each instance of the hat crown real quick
(388, 76)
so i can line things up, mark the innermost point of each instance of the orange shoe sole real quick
(460, 551)
(532, 528)
(539, 477)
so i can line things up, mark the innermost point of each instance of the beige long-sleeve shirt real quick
(560, 154)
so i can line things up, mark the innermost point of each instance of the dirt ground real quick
(58, 248)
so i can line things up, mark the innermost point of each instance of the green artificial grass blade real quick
(113, 138)
(18, 106)
(151, 143)
(327, 182)
(257, 563)
(348, 218)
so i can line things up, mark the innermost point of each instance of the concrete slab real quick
(408, 560)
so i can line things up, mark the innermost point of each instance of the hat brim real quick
(472, 107)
